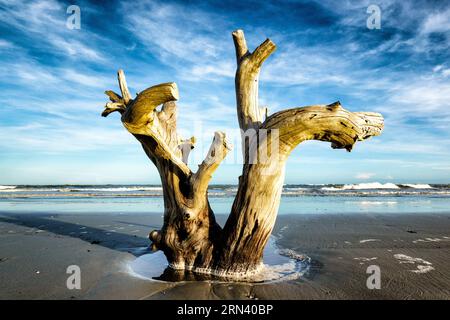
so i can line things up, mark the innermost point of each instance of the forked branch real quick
(255, 207)
(156, 130)
(250, 116)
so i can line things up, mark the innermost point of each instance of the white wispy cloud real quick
(436, 22)
(85, 79)
(191, 41)
(365, 175)
(5, 44)
(46, 20)
(54, 138)
(75, 48)
(294, 65)
(211, 71)
(158, 26)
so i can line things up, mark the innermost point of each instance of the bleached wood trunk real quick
(190, 237)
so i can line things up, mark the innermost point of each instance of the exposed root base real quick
(278, 265)
(222, 273)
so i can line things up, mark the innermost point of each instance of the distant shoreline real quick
(303, 199)
(137, 190)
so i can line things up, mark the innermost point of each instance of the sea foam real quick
(7, 187)
(363, 186)
(417, 186)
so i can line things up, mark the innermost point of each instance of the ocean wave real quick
(417, 186)
(348, 190)
(78, 189)
(223, 189)
(7, 187)
(18, 189)
(376, 203)
(363, 186)
(116, 189)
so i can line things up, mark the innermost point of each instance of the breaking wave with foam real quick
(289, 190)
(7, 187)
(363, 186)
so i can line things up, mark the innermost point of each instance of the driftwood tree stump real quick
(190, 237)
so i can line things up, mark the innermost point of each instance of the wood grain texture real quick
(190, 237)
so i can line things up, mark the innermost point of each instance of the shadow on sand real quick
(133, 244)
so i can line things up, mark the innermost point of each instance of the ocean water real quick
(296, 199)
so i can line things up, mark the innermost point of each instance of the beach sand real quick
(411, 250)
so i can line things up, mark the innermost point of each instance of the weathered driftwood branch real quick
(186, 147)
(257, 201)
(190, 230)
(250, 116)
(330, 123)
(139, 113)
(190, 237)
(217, 152)
(123, 86)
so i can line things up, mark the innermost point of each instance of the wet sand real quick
(412, 252)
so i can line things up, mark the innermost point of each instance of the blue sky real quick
(53, 80)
